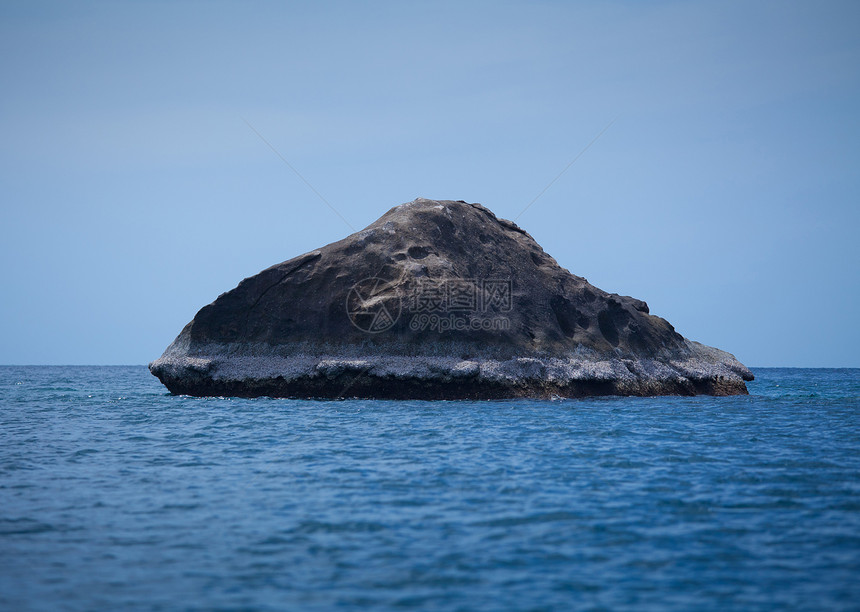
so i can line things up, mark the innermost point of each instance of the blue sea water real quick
(115, 495)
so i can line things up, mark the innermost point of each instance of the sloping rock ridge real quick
(435, 300)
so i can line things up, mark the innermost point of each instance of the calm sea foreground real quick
(116, 495)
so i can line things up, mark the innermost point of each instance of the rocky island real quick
(435, 300)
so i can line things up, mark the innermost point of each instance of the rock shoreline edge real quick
(399, 377)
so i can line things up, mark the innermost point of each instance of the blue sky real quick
(726, 193)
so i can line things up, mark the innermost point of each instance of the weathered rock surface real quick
(435, 300)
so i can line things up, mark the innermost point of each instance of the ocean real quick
(115, 495)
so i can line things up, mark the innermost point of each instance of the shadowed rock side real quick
(435, 300)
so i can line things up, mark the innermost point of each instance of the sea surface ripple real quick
(116, 495)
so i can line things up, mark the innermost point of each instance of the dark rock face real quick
(435, 300)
